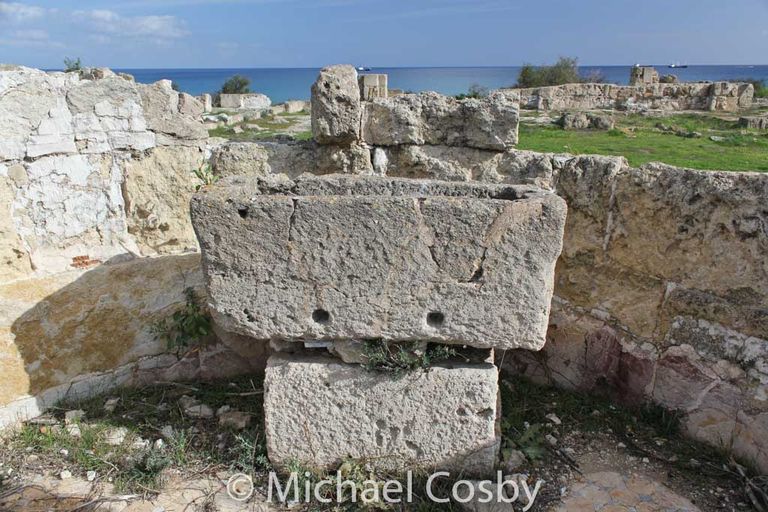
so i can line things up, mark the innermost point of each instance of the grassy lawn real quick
(639, 140)
(263, 128)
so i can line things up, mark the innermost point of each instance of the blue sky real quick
(311, 33)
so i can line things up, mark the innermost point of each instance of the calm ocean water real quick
(293, 83)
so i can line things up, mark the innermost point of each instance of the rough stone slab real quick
(341, 257)
(431, 118)
(336, 107)
(321, 411)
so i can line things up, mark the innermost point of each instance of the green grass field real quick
(639, 140)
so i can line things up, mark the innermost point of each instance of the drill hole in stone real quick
(242, 211)
(321, 316)
(435, 319)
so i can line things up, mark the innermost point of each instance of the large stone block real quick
(336, 106)
(321, 411)
(430, 118)
(341, 257)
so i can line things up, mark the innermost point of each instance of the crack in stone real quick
(292, 218)
(426, 230)
(477, 274)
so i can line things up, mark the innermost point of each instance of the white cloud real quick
(30, 38)
(104, 22)
(16, 12)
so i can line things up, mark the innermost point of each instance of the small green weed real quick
(206, 175)
(403, 357)
(186, 326)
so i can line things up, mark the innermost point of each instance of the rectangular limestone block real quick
(343, 257)
(433, 119)
(320, 411)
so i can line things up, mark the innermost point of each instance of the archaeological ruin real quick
(408, 219)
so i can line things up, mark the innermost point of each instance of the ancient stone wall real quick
(96, 245)
(711, 96)
(660, 292)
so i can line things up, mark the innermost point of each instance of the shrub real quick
(564, 71)
(72, 64)
(761, 88)
(475, 91)
(237, 84)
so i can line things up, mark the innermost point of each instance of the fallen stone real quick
(400, 259)
(73, 416)
(65, 475)
(116, 436)
(336, 108)
(320, 412)
(754, 122)
(585, 121)
(111, 404)
(514, 460)
(553, 418)
(236, 420)
(73, 430)
(90, 476)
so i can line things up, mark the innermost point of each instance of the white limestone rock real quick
(347, 258)
(321, 411)
(336, 106)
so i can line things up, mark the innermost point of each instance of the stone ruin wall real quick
(660, 292)
(708, 96)
(96, 172)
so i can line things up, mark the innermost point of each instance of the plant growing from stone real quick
(205, 174)
(403, 357)
(186, 327)
(71, 65)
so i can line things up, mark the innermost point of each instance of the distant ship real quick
(361, 68)
(678, 66)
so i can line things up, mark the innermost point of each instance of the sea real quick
(282, 84)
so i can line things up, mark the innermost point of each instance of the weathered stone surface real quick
(430, 118)
(344, 257)
(291, 159)
(56, 328)
(754, 122)
(161, 109)
(14, 260)
(249, 101)
(190, 106)
(585, 121)
(157, 190)
(642, 75)
(373, 86)
(72, 206)
(336, 107)
(441, 419)
(465, 164)
(715, 96)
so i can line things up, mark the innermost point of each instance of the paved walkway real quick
(612, 492)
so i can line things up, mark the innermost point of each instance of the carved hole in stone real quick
(242, 211)
(321, 316)
(435, 319)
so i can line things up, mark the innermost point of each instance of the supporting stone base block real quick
(320, 411)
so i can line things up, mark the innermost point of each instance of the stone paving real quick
(608, 491)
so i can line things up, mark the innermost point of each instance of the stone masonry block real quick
(321, 411)
(341, 257)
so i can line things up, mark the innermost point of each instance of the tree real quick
(564, 71)
(72, 64)
(237, 84)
